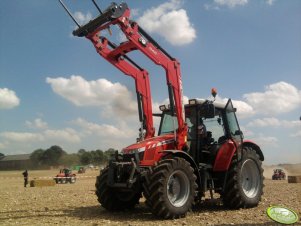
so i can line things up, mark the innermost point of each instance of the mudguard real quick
(224, 156)
(249, 143)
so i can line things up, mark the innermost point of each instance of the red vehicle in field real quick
(174, 168)
(279, 174)
(65, 176)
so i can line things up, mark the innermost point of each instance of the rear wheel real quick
(244, 185)
(114, 199)
(171, 188)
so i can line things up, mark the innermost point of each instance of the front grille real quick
(128, 157)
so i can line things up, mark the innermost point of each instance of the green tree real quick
(108, 153)
(99, 157)
(85, 158)
(37, 157)
(52, 155)
(1, 155)
(81, 151)
(69, 160)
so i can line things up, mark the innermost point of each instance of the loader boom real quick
(138, 39)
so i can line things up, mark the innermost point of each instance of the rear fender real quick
(224, 156)
(226, 152)
(248, 143)
(187, 157)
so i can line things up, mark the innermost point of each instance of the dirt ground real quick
(76, 204)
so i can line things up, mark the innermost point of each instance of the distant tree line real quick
(56, 156)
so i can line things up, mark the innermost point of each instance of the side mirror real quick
(239, 133)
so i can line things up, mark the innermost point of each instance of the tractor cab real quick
(210, 126)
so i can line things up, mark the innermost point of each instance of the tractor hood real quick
(151, 143)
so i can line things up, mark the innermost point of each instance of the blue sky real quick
(55, 89)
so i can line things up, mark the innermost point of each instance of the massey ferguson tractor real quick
(65, 176)
(199, 147)
(279, 174)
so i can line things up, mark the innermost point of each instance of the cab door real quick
(234, 140)
(232, 125)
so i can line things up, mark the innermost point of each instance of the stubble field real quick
(76, 204)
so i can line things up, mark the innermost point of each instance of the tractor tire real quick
(244, 185)
(63, 180)
(171, 188)
(114, 199)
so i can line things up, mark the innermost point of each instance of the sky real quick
(56, 90)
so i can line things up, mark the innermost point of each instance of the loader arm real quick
(106, 49)
(138, 39)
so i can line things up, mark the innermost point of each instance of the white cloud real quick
(270, 2)
(22, 136)
(37, 124)
(246, 132)
(169, 21)
(2, 146)
(244, 110)
(113, 98)
(278, 98)
(266, 141)
(104, 130)
(8, 99)
(135, 12)
(297, 134)
(82, 18)
(274, 122)
(217, 4)
(231, 3)
(67, 135)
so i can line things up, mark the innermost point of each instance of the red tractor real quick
(279, 174)
(65, 176)
(199, 147)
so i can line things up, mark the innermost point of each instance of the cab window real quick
(168, 124)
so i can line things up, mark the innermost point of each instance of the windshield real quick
(168, 124)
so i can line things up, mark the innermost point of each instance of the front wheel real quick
(244, 185)
(114, 199)
(171, 188)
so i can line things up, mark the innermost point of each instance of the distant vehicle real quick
(65, 176)
(279, 174)
(81, 170)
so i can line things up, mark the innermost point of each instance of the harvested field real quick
(76, 204)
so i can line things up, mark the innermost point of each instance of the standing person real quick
(25, 175)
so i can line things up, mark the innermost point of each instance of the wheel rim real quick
(250, 177)
(178, 188)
